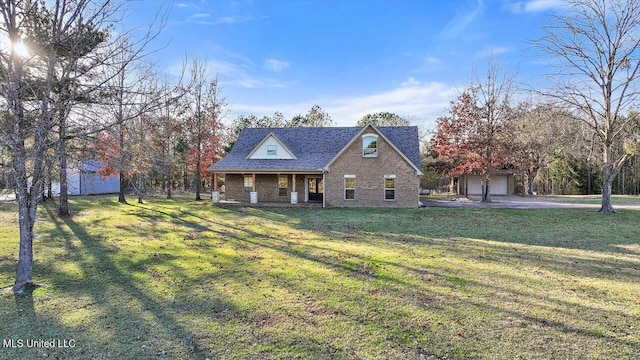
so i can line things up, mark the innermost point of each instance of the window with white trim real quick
(283, 185)
(370, 145)
(349, 187)
(247, 186)
(272, 150)
(389, 187)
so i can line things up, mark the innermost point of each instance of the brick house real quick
(333, 166)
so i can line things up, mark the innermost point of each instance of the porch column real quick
(215, 194)
(324, 191)
(254, 193)
(294, 193)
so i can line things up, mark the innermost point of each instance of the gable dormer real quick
(370, 138)
(271, 148)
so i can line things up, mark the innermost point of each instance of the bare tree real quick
(129, 98)
(595, 46)
(205, 109)
(89, 65)
(168, 128)
(495, 126)
(56, 47)
(37, 32)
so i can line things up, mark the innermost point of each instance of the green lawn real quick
(592, 199)
(180, 279)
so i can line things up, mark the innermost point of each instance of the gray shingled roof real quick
(313, 147)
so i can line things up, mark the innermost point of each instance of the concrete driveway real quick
(515, 202)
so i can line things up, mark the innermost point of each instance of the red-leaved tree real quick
(476, 137)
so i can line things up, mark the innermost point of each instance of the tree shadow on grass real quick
(29, 324)
(559, 262)
(406, 231)
(24, 302)
(181, 341)
(115, 276)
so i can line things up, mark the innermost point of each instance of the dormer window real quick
(271, 148)
(370, 145)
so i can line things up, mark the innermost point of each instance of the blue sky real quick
(350, 57)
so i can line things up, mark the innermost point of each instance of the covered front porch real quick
(258, 188)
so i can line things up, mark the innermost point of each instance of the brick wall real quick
(370, 180)
(266, 186)
(233, 187)
(370, 174)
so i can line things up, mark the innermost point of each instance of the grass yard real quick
(180, 279)
(592, 199)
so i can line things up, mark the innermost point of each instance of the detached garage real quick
(84, 179)
(502, 183)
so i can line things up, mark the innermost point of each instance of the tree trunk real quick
(531, 175)
(27, 208)
(24, 272)
(486, 190)
(42, 195)
(27, 194)
(589, 180)
(139, 190)
(123, 184)
(198, 185)
(63, 207)
(168, 182)
(607, 179)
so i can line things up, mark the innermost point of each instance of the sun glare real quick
(6, 46)
(21, 49)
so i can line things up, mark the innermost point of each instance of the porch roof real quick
(267, 171)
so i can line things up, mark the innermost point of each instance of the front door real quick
(316, 189)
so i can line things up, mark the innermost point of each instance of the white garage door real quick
(474, 185)
(499, 185)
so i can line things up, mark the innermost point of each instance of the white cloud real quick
(432, 60)
(493, 51)
(201, 19)
(429, 64)
(232, 19)
(462, 19)
(234, 70)
(187, 5)
(411, 82)
(535, 6)
(421, 102)
(276, 65)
